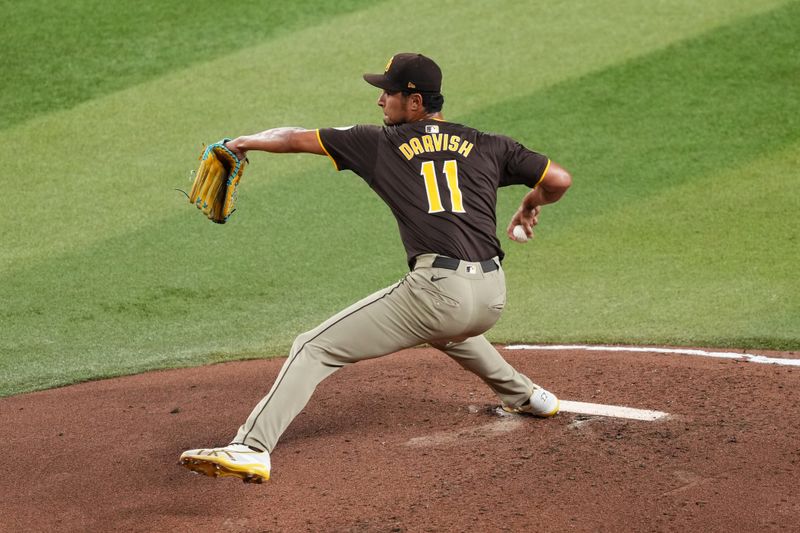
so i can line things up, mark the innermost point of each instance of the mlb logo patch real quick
(471, 269)
(432, 128)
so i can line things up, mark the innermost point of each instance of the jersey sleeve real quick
(353, 148)
(519, 165)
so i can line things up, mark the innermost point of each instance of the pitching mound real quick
(411, 442)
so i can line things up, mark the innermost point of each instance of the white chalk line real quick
(679, 351)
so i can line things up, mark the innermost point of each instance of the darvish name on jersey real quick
(435, 142)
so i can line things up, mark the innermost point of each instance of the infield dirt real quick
(411, 442)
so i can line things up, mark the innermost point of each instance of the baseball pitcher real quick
(440, 180)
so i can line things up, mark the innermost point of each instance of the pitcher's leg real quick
(380, 324)
(477, 355)
(293, 387)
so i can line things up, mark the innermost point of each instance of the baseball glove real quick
(215, 186)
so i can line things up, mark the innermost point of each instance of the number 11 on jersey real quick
(428, 172)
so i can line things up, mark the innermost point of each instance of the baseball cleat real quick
(542, 403)
(233, 460)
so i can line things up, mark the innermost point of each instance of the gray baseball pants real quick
(449, 309)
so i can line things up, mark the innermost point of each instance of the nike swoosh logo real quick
(434, 278)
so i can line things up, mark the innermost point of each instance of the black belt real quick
(451, 263)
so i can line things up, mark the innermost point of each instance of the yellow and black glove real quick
(216, 183)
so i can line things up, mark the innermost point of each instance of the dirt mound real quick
(411, 442)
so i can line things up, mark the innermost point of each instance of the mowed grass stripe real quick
(146, 295)
(681, 113)
(687, 110)
(95, 165)
(59, 53)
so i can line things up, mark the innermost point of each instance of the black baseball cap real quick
(409, 73)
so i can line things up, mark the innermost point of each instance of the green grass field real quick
(679, 123)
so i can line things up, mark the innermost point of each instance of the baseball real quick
(519, 233)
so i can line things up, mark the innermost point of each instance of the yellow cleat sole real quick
(217, 467)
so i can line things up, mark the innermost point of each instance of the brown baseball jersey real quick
(439, 179)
